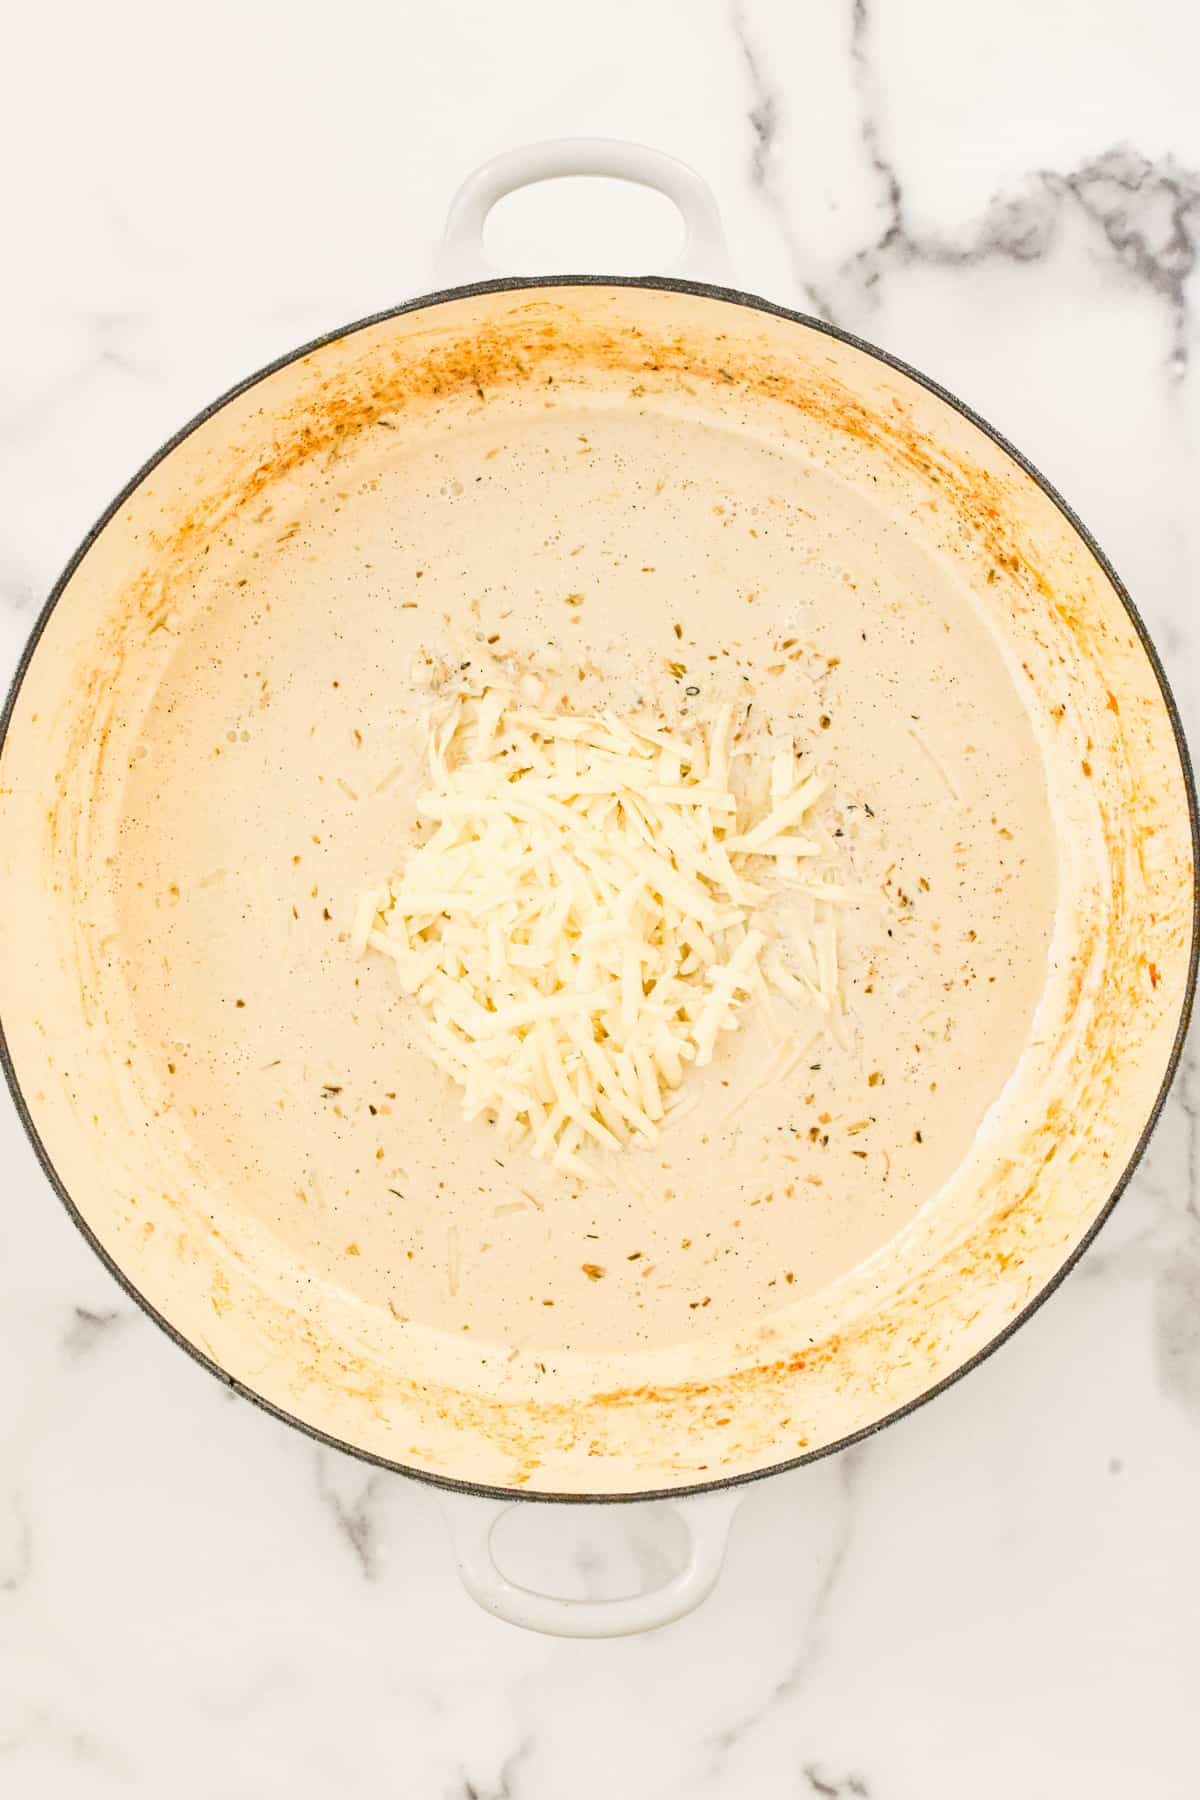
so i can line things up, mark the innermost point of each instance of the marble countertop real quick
(998, 1596)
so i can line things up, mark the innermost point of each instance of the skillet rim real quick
(737, 297)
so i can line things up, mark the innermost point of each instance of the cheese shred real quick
(587, 915)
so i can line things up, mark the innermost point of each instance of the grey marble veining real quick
(997, 1596)
(1146, 211)
(351, 1511)
(793, 1677)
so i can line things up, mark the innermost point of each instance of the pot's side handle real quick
(472, 1520)
(705, 256)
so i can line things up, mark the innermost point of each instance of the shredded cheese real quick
(588, 914)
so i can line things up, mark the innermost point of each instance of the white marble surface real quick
(1000, 1596)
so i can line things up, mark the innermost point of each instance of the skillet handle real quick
(472, 1519)
(705, 256)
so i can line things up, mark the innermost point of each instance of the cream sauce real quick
(277, 776)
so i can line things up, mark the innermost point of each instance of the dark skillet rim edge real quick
(756, 303)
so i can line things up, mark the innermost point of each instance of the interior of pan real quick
(216, 745)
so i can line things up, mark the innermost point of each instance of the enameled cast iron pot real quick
(283, 498)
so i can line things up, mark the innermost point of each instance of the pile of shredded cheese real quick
(589, 912)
